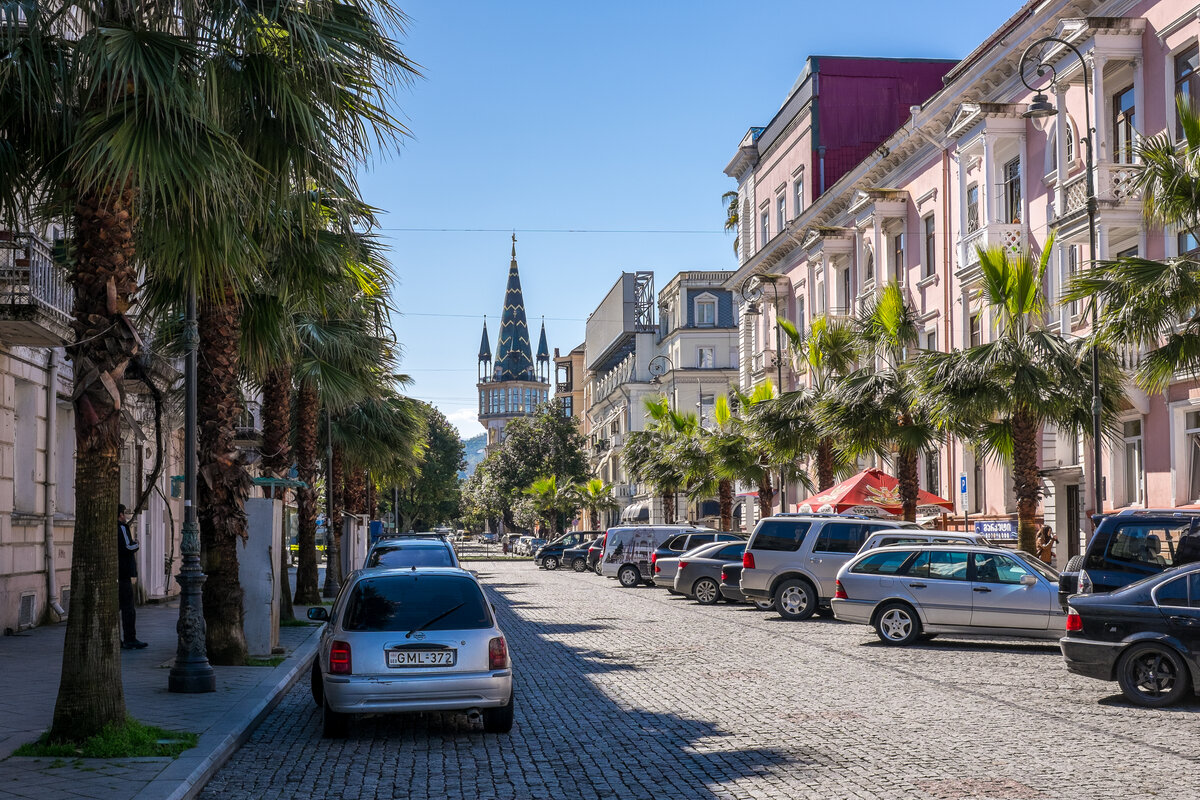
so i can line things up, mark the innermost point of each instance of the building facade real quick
(569, 373)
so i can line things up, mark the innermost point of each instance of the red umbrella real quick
(871, 491)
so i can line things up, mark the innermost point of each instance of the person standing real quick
(1045, 544)
(127, 547)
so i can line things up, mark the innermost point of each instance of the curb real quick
(186, 776)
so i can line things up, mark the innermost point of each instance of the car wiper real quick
(427, 623)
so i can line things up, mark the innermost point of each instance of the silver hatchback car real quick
(909, 591)
(418, 639)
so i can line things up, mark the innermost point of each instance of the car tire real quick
(598, 569)
(706, 592)
(550, 563)
(795, 599)
(763, 605)
(1074, 564)
(334, 725)
(499, 720)
(1153, 675)
(314, 682)
(579, 564)
(629, 576)
(897, 624)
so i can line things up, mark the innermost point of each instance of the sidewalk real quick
(32, 663)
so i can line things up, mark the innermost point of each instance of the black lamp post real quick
(752, 291)
(659, 365)
(191, 672)
(1041, 107)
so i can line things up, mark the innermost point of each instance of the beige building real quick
(569, 372)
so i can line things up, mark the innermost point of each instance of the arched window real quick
(1052, 146)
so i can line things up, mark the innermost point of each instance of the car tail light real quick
(682, 564)
(747, 560)
(604, 541)
(724, 576)
(839, 593)
(1085, 583)
(1074, 622)
(498, 653)
(339, 658)
(657, 569)
(654, 557)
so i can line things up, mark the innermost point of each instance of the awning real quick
(636, 512)
(709, 508)
(748, 494)
(872, 492)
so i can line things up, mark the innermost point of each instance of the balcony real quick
(1010, 237)
(1115, 184)
(35, 296)
(563, 387)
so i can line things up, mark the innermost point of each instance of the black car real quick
(1145, 636)
(731, 586)
(1129, 546)
(577, 557)
(550, 556)
(595, 551)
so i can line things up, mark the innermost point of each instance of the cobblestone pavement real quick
(640, 694)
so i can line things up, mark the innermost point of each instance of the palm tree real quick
(730, 199)
(648, 457)
(1001, 393)
(595, 496)
(553, 503)
(723, 444)
(761, 457)
(878, 408)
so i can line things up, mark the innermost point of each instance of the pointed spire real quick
(543, 353)
(485, 347)
(514, 250)
(514, 361)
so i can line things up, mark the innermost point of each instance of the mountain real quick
(475, 447)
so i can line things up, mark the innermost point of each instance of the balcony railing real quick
(1115, 184)
(1010, 237)
(36, 297)
(563, 387)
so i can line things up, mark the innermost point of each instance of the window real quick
(1124, 117)
(932, 471)
(731, 553)
(706, 357)
(1012, 191)
(1186, 85)
(706, 312)
(410, 556)
(1173, 593)
(1192, 431)
(972, 208)
(1194, 589)
(1134, 468)
(991, 568)
(882, 563)
(930, 231)
(898, 257)
(1072, 252)
(1146, 543)
(766, 228)
(840, 537)
(931, 339)
(568, 406)
(402, 603)
(976, 330)
(940, 564)
(779, 534)
(705, 407)
(798, 197)
(868, 265)
(781, 212)
(1186, 242)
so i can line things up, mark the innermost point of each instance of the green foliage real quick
(553, 502)
(433, 495)
(130, 739)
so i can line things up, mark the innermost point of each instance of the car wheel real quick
(1152, 675)
(550, 562)
(597, 569)
(1073, 564)
(706, 591)
(499, 720)
(795, 599)
(764, 605)
(334, 725)
(318, 691)
(897, 624)
(629, 576)
(579, 564)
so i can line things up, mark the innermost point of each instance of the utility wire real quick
(547, 230)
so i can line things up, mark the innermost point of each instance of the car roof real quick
(378, 572)
(393, 544)
(947, 546)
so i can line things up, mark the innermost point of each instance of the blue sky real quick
(551, 116)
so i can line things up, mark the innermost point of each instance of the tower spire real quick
(485, 347)
(514, 361)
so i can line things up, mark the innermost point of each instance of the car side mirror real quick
(319, 614)
(1028, 580)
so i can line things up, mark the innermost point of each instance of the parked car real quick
(550, 555)
(596, 555)
(487, 538)
(421, 639)
(907, 591)
(1145, 636)
(792, 560)
(678, 545)
(627, 550)
(411, 552)
(1131, 545)
(699, 571)
(578, 557)
(917, 536)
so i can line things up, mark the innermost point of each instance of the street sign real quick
(999, 529)
(962, 483)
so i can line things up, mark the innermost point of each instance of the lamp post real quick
(191, 672)
(752, 291)
(1041, 107)
(659, 366)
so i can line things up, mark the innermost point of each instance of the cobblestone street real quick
(639, 694)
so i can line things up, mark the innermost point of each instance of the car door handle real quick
(982, 589)
(917, 585)
(1191, 621)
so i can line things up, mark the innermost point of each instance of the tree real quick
(595, 496)
(1001, 393)
(753, 429)
(552, 501)
(434, 494)
(544, 443)
(730, 199)
(651, 455)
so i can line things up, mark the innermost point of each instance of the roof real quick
(514, 361)
(543, 351)
(485, 348)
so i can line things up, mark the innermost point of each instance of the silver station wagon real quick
(418, 639)
(907, 592)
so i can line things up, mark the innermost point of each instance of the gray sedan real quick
(909, 591)
(698, 573)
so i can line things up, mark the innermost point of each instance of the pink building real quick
(966, 168)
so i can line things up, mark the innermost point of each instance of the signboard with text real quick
(1001, 529)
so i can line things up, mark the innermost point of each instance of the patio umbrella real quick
(872, 492)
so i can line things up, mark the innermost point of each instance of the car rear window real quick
(779, 534)
(1151, 544)
(882, 563)
(841, 537)
(730, 552)
(410, 557)
(406, 602)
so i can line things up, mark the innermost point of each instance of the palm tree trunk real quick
(1026, 484)
(766, 495)
(90, 693)
(277, 460)
(594, 518)
(725, 497)
(356, 491)
(225, 484)
(668, 500)
(307, 591)
(333, 525)
(909, 483)
(372, 505)
(825, 472)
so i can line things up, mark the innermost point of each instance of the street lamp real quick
(1041, 107)
(659, 366)
(752, 291)
(191, 672)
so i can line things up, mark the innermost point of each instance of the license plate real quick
(421, 658)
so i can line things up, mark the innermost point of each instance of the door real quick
(937, 583)
(1073, 511)
(1183, 616)
(1000, 600)
(836, 544)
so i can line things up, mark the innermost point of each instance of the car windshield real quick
(410, 556)
(402, 602)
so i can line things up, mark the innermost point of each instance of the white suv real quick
(792, 560)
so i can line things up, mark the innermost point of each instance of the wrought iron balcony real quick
(36, 297)
(1011, 237)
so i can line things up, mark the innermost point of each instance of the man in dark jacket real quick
(127, 548)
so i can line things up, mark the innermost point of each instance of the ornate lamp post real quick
(1041, 107)
(191, 672)
(752, 292)
(659, 366)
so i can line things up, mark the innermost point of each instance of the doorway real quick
(1073, 511)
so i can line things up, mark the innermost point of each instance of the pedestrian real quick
(1045, 544)
(127, 547)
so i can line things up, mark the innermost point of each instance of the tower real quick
(512, 385)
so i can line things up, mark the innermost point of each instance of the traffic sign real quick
(962, 483)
